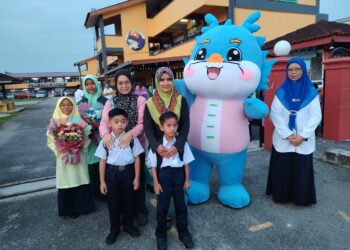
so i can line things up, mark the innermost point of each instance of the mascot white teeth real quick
(225, 67)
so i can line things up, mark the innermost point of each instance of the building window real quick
(83, 67)
(113, 26)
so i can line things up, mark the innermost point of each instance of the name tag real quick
(295, 100)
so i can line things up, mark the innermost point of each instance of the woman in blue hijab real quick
(295, 113)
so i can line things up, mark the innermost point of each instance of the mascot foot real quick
(234, 196)
(198, 192)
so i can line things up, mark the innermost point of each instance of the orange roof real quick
(92, 16)
(84, 61)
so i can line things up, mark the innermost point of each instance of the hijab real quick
(162, 102)
(295, 95)
(73, 117)
(92, 98)
(127, 102)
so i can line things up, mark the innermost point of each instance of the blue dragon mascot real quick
(225, 67)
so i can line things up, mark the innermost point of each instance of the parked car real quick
(42, 94)
(69, 92)
(9, 95)
(22, 94)
(58, 92)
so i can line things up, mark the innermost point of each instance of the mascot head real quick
(227, 61)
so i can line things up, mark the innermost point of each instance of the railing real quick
(111, 42)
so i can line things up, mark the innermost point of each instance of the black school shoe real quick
(187, 241)
(132, 231)
(74, 216)
(161, 244)
(111, 237)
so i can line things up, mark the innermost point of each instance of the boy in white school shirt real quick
(120, 176)
(170, 178)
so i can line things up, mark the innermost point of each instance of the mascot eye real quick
(201, 54)
(234, 54)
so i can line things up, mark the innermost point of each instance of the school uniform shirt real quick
(307, 120)
(118, 156)
(174, 161)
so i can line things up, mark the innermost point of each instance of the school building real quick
(44, 80)
(147, 34)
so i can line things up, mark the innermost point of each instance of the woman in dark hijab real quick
(134, 105)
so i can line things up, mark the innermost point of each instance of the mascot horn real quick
(225, 67)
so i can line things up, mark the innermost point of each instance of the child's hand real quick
(136, 183)
(103, 188)
(187, 185)
(157, 188)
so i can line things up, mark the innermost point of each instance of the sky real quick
(49, 35)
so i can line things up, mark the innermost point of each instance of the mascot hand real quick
(255, 108)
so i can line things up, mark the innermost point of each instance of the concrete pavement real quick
(31, 221)
(23, 145)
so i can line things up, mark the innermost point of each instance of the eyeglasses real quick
(66, 105)
(294, 70)
(126, 83)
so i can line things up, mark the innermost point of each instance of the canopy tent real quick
(7, 79)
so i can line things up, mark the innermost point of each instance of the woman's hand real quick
(157, 188)
(108, 141)
(125, 140)
(162, 151)
(136, 183)
(298, 140)
(171, 152)
(186, 184)
(295, 140)
(103, 188)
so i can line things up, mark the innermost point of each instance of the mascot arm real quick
(149, 130)
(255, 108)
(184, 126)
(183, 90)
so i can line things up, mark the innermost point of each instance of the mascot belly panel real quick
(218, 126)
(234, 128)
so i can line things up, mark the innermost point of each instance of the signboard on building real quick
(135, 40)
(46, 84)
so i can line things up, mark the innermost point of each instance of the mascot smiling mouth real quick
(213, 72)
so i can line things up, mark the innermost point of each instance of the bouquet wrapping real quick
(69, 139)
(93, 118)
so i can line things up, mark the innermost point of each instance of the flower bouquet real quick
(93, 118)
(69, 139)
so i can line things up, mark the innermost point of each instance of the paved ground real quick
(24, 152)
(31, 221)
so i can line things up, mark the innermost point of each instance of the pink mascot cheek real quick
(189, 71)
(246, 75)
